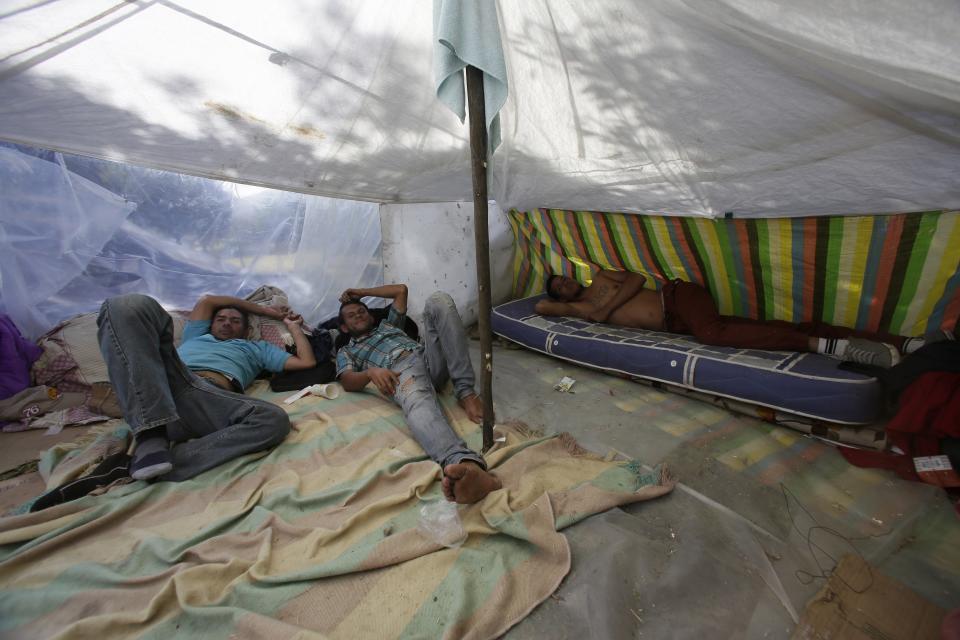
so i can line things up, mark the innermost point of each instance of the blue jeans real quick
(207, 424)
(443, 356)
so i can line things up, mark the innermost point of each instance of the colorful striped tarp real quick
(320, 537)
(898, 273)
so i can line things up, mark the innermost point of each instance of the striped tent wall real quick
(897, 273)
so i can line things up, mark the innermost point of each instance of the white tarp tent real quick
(688, 107)
(697, 107)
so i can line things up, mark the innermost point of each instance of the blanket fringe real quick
(571, 445)
(522, 429)
(661, 471)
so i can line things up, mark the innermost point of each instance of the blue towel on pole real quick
(466, 32)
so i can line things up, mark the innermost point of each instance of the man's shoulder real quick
(195, 329)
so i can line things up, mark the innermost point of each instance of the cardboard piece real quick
(860, 603)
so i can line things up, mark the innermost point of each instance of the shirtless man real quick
(618, 297)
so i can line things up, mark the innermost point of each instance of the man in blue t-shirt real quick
(214, 343)
(409, 374)
(192, 397)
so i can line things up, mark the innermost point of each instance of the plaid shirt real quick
(379, 348)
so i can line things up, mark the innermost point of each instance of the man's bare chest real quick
(601, 292)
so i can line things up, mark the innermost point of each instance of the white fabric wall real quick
(430, 247)
(761, 107)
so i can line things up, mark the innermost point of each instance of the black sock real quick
(150, 441)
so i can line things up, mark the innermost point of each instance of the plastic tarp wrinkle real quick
(66, 243)
(759, 107)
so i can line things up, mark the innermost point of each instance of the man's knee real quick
(275, 422)
(439, 302)
(127, 305)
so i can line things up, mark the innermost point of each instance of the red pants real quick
(689, 308)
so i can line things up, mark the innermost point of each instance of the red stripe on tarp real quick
(751, 284)
(809, 268)
(888, 256)
(644, 248)
(682, 244)
(951, 314)
(610, 247)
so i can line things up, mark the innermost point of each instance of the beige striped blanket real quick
(318, 538)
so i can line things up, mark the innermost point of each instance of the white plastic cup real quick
(329, 391)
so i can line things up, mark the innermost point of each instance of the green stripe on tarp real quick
(692, 237)
(657, 255)
(755, 264)
(832, 268)
(730, 249)
(581, 223)
(744, 248)
(926, 229)
(911, 226)
(820, 268)
(618, 240)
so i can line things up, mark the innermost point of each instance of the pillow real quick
(263, 328)
(71, 359)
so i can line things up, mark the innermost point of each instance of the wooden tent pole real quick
(478, 160)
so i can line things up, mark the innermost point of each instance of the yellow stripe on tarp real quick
(662, 237)
(781, 265)
(588, 226)
(864, 233)
(628, 251)
(844, 302)
(567, 244)
(554, 257)
(934, 276)
(531, 235)
(539, 227)
(718, 267)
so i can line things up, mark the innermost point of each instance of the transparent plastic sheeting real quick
(694, 107)
(67, 242)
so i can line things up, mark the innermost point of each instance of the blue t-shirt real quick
(238, 359)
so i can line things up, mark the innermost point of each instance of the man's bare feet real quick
(468, 482)
(473, 405)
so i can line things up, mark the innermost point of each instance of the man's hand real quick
(277, 313)
(292, 320)
(395, 292)
(385, 380)
(350, 294)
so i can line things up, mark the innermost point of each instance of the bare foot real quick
(473, 405)
(467, 482)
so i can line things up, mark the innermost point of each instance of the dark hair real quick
(347, 304)
(243, 314)
(550, 291)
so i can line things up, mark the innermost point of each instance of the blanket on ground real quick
(317, 538)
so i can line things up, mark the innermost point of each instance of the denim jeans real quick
(206, 424)
(443, 356)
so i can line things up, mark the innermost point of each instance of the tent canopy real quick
(696, 107)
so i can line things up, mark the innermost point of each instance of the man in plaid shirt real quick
(409, 373)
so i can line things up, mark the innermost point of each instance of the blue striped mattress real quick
(804, 384)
